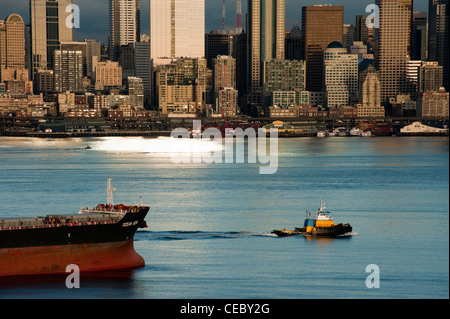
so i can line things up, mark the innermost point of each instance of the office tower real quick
(340, 75)
(77, 46)
(293, 44)
(108, 75)
(393, 46)
(124, 24)
(282, 76)
(177, 29)
(438, 35)
(136, 92)
(224, 78)
(430, 77)
(93, 48)
(48, 30)
(419, 41)
(349, 35)
(265, 41)
(181, 86)
(321, 25)
(144, 69)
(126, 60)
(370, 94)
(68, 70)
(362, 32)
(12, 45)
(217, 43)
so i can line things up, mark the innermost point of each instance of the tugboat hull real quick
(333, 231)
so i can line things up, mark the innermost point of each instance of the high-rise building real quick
(293, 44)
(217, 43)
(124, 25)
(93, 48)
(265, 41)
(108, 75)
(48, 30)
(370, 94)
(340, 75)
(144, 69)
(224, 78)
(12, 45)
(419, 42)
(68, 70)
(393, 46)
(363, 32)
(282, 76)
(177, 29)
(430, 77)
(181, 86)
(316, 35)
(438, 35)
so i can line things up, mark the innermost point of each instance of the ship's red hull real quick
(54, 259)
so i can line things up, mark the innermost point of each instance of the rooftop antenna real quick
(224, 12)
(109, 191)
(238, 29)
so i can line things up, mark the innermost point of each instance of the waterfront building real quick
(434, 104)
(177, 29)
(438, 36)
(321, 25)
(48, 30)
(393, 46)
(124, 25)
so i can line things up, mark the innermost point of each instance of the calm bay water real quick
(209, 224)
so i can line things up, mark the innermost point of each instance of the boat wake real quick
(195, 235)
(349, 234)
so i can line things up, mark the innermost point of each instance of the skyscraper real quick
(321, 25)
(393, 46)
(438, 34)
(265, 41)
(48, 30)
(12, 49)
(124, 24)
(177, 29)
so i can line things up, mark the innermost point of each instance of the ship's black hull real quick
(123, 230)
(49, 250)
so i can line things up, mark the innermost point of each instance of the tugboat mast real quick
(109, 191)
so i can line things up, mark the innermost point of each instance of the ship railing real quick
(60, 224)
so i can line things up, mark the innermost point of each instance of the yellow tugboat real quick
(322, 225)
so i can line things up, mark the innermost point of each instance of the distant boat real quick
(321, 134)
(88, 147)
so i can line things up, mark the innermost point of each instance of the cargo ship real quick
(322, 225)
(95, 239)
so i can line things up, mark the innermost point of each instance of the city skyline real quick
(94, 14)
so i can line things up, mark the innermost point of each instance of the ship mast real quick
(109, 191)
